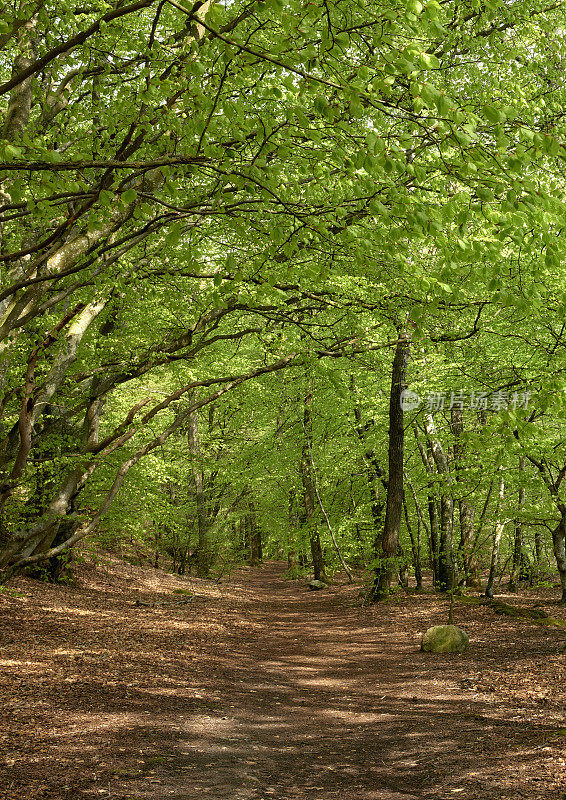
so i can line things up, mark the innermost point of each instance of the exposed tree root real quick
(536, 615)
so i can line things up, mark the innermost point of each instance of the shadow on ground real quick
(298, 695)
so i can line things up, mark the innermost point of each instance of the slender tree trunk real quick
(434, 539)
(374, 475)
(466, 511)
(497, 533)
(309, 494)
(539, 554)
(559, 547)
(292, 565)
(559, 532)
(469, 563)
(418, 564)
(420, 521)
(204, 550)
(415, 545)
(447, 564)
(294, 547)
(317, 556)
(394, 505)
(327, 520)
(447, 568)
(518, 547)
(474, 579)
(255, 538)
(432, 529)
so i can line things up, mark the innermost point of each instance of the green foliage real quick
(270, 197)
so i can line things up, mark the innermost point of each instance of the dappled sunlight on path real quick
(296, 695)
(319, 703)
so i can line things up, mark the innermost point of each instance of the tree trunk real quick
(420, 521)
(559, 547)
(327, 521)
(539, 554)
(559, 533)
(447, 568)
(309, 495)
(434, 538)
(394, 505)
(294, 548)
(432, 530)
(518, 546)
(374, 475)
(317, 555)
(447, 579)
(497, 533)
(255, 538)
(54, 523)
(415, 545)
(204, 550)
(292, 565)
(466, 511)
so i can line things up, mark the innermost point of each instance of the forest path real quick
(259, 688)
(323, 699)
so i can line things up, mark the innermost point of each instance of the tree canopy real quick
(219, 224)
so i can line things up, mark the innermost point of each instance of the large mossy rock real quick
(445, 639)
(317, 585)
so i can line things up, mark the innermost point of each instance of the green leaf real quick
(494, 115)
(11, 151)
(429, 61)
(129, 196)
(173, 235)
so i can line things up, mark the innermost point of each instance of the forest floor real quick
(118, 686)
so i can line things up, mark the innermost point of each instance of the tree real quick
(395, 492)
(185, 186)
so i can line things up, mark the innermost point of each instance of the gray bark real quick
(497, 533)
(466, 511)
(448, 572)
(518, 545)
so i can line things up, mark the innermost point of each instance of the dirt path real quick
(262, 689)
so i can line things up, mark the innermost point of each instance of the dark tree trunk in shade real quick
(394, 504)
(204, 552)
(254, 538)
(539, 553)
(559, 547)
(309, 494)
(415, 546)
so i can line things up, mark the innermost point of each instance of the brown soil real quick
(258, 688)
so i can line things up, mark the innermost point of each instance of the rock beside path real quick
(445, 639)
(318, 585)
